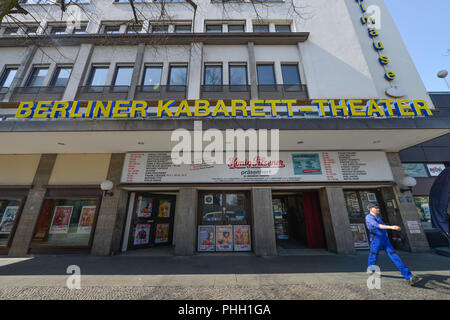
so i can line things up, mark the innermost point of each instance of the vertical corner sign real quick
(373, 33)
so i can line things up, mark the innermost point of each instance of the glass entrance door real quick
(224, 221)
(152, 222)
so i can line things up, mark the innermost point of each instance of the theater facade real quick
(93, 113)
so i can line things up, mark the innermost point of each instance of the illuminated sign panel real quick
(235, 108)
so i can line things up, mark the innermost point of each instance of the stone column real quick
(194, 76)
(264, 242)
(335, 220)
(136, 70)
(32, 207)
(112, 211)
(21, 72)
(185, 225)
(252, 71)
(80, 69)
(416, 242)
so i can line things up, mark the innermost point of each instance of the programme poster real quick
(164, 209)
(142, 234)
(86, 219)
(162, 233)
(61, 219)
(359, 235)
(242, 238)
(206, 238)
(145, 208)
(9, 216)
(306, 163)
(224, 238)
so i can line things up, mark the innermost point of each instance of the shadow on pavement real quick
(212, 264)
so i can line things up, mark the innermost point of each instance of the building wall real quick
(18, 169)
(81, 169)
(337, 61)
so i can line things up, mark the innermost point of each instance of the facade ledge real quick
(258, 38)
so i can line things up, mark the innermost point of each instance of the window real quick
(37, 77)
(7, 77)
(135, 28)
(61, 77)
(58, 30)
(32, 31)
(66, 222)
(282, 28)
(80, 30)
(36, 1)
(291, 77)
(177, 75)
(160, 28)
(98, 76)
(416, 170)
(423, 210)
(238, 78)
(224, 208)
(9, 211)
(260, 28)
(11, 31)
(183, 28)
(213, 28)
(122, 79)
(238, 74)
(112, 29)
(236, 28)
(266, 77)
(213, 75)
(152, 76)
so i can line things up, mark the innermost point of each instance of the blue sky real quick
(425, 28)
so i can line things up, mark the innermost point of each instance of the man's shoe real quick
(414, 280)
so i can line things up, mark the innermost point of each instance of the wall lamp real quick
(106, 186)
(407, 184)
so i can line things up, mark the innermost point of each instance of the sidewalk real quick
(240, 276)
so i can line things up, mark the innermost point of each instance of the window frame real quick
(116, 73)
(5, 74)
(213, 65)
(229, 74)
(171, 66)
(30, 76)
(91, 75)
(161, 67)
(273, 72)
(56, 74)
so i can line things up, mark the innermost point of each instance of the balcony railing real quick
(37, 93)
(103, 93)
(156, 92)
(282, 91)
(220, 92)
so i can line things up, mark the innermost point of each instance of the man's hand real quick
(396, 228)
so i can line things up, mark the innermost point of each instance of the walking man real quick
(379, 241)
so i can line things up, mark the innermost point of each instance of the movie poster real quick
(164, 209)
(162, 233)
(224, 238)
(142, 234)
(9, 216)
(145, 208)
(206, 238)
(86, 219)
(242, 238)
(359, 235)
(306, 164)
(61, 219)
